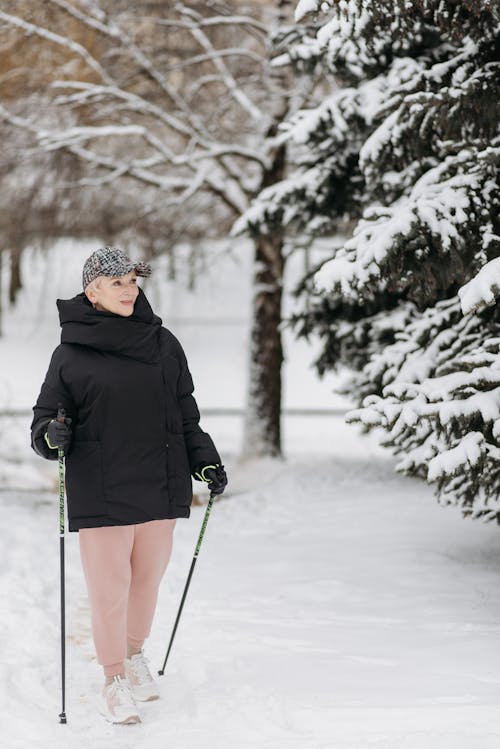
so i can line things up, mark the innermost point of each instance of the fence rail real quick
(237, 412)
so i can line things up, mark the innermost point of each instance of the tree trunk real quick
(262, 431)
(262, 428)
(15, 273)
(1, 291)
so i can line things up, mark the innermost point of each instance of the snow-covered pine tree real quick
(406, 145)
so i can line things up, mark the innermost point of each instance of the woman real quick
(132, 441)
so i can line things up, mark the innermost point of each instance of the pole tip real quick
(161, 672)
(62, 718)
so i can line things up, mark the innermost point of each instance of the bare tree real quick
(182, 101)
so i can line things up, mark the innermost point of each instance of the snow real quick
(333, 605)
(71, 136)
(470, 449)
(482, 290)
(435, 205)
(304, 7)
(275, 198)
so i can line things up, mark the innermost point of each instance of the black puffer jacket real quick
(125, 383)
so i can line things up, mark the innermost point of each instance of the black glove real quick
(214, 475)
(59, 434)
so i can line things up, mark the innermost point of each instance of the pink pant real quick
(123, 566)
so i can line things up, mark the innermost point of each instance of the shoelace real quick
(140, 668)
(118, 688)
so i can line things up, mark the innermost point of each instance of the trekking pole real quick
(61, 414)
(195, 557)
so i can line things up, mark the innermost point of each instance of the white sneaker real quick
(116, 702)
(142, 683)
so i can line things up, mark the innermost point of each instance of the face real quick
(114, 293)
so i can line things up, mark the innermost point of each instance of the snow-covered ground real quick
(335, 605)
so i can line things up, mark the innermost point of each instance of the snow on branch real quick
(231, 20)
(304, 7)
(440, 404)
(236, 91)
(89, 20)
(482, 290)
(424, 112)
(332, 130)
(439, 206)
(275, 203)
(333, 119)
(355, 38)
(334, 113)
(215, 56)
(92, 93)
(470, 452)
(117, 168)
(140, 169)
(52, 140)
(236, 19)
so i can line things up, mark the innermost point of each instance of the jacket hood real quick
(136, 336)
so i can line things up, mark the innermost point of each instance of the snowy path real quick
(339, 608)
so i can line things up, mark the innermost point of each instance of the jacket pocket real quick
(84, 481)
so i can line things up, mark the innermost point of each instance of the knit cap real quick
(110, 261)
